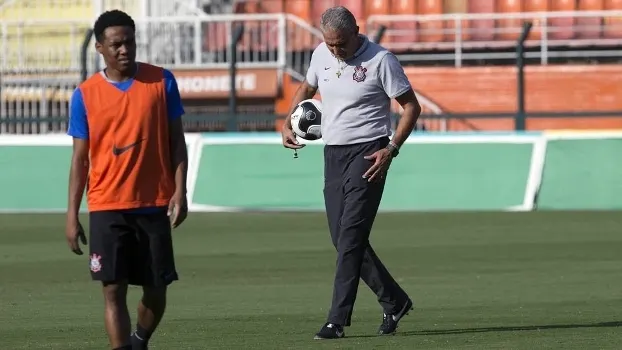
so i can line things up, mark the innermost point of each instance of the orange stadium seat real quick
(377, 7)
(319, 6)
(509, 29)
(536, 6)
(562, 28)
(270, 29)
(404, 31)
(298, 39)
(431, 31)
(300, 8)
(272, 6)
(358, 10)
(589, 27)
(482, 29)
(250, 40)
(457, 7)
(613, 25)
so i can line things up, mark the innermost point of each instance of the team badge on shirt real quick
(359, 74)
(95, 264)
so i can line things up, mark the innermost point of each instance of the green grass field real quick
(263, 281)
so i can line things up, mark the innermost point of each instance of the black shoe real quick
(330, 331)
(389, 322)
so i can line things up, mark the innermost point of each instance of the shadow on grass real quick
(498, 329)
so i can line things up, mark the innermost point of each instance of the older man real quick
(357, 80)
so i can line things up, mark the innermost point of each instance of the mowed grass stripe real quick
(263, 281)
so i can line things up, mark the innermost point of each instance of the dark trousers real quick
(351, 206)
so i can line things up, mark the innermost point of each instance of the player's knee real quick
(115, 294)
(154, 295)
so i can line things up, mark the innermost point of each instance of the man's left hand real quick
(178, 209)
(382, 160)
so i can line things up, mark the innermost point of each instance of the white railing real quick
(192, 42)
(456, 37)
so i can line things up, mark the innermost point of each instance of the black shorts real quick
(132, 247)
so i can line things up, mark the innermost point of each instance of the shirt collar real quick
(363, 47)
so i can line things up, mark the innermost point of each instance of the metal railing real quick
(192, 42)
(464, 38)
(286, 41)
(35, 109)
(36, 103)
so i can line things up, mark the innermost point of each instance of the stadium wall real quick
(493, 89)
(236, 172)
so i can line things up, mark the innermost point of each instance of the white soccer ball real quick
(307, 119)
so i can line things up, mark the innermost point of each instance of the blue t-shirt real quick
(78, 122)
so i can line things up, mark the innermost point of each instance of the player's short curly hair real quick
(113, 18)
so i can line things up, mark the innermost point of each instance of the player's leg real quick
(154, 272)
(151, 309)
(361, 201)
(356, 258)
(117, 317)
(390, 295)
(109, 244)
(334, 168)
(394, 300)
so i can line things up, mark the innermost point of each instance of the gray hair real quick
(339, 19)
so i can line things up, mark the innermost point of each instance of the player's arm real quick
(305, 91)
(397, 86)
(78, 173)
(179, 155)
(79, 168)
(179, 152)
(408, 120)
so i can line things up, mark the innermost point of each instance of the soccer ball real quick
(307, 119)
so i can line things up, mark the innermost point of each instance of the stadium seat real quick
(249, 40)
(272, 6)
(536, 6)
(613, 25)
(377, 7)
(215, 38)
(297, 39)
(509, 28)
(456, 7)
(270, 30)
(319, 6)
(589, 27)
(481, 29)
(358, 10)
(431, 31)
(403, 32)
(562, 28)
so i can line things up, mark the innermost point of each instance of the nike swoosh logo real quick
(117, 151)
(326, 68)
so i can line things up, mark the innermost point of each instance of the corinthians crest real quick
(359, 74)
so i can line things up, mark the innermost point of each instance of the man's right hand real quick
(74, 233)
(289, 139)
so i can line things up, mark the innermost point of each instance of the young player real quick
(130, 153)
